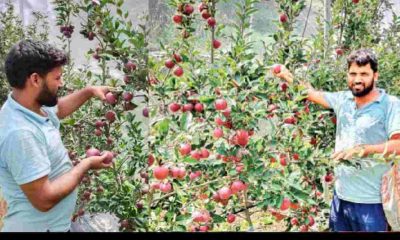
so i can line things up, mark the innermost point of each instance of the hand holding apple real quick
(282, 72)
(100, 92)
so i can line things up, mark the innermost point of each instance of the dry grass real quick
(262, 222)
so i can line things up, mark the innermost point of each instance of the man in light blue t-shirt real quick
(368, 122)
(36, 175)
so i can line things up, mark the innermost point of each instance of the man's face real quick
(52, 82)
(361, 79)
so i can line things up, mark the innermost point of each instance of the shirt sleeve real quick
(393, 118)
(334, 99)
(25, 156)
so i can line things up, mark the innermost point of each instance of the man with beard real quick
(368, 122)
(37, 178)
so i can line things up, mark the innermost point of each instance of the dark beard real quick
(46, 98)
(364, 92)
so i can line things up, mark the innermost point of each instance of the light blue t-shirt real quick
(31, 148)
(373, 123)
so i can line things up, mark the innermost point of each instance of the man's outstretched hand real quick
(100, 92)
(357, 151)
(282, 72)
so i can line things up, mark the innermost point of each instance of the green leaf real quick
(218, 219)
(69, 121)
(186, 118)
(189, 159)
(163, 126)
(299, 194)
(206, 99)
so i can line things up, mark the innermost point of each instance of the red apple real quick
(197, 216)
(282, 158)
(92, 152)
(174, 172)
(230, 218)
(303, 228)
(96, 56)
(285, 204)
(242, 138)
(211, 22)
(205, 14)
(311, 221)
(224, 193)
(155, 185)
(196, 154)
(237, 186)
(145, 112)
(339, 51)
(181, 173)
(283, 18)
(313, 141)
(130, 66)
(333, 120)
(205, 153)
(296, 156)
(187, 107)
(219, 121)
(127, 79)
(91, 36)
(111, 98)
(169, 63)
(178, 71)
(150, 160)
(284, 86)
(218, 133)
(127, 96)
(188, 9)
(355, 1)
(177, 19)
(216, 44)
(239, 168)
(194, 175)
(160, 172)
(227, 113)
(177, 57)
(221, 104)
(216, 197)
(203, 228)
(290, 120)
(100, 124)
(174, 107)
(328, 178)
(199, 107)
(294, 221)
(277, 68)
(165, 187)
(185, 149)
(98, 132)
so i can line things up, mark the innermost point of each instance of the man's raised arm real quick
(312, 94)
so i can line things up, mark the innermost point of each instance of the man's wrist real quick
(86, 164)
(90, 91)
(365, 150)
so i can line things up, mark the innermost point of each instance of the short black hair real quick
(362, 57)
(30, 56)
